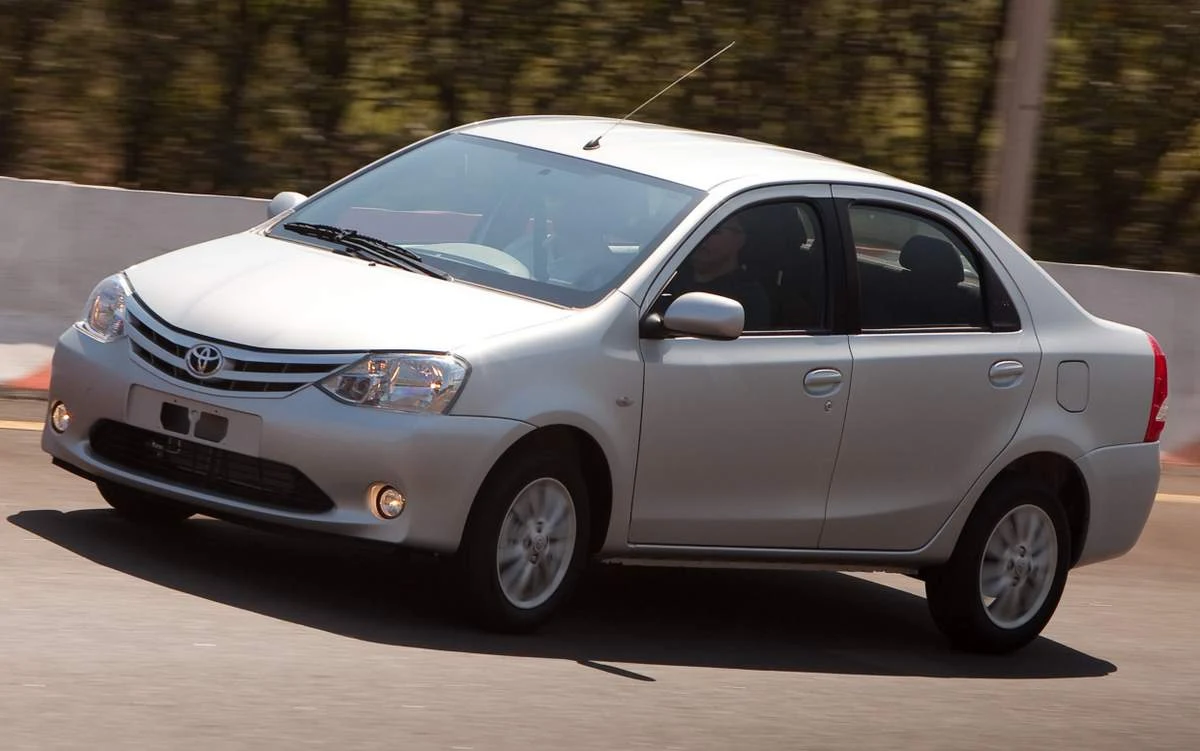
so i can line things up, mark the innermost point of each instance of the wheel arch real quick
(1063, 478)
(593, 463)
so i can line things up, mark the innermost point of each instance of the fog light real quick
(389, 502)
(60, 417)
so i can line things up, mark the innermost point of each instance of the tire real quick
(551, 557)
(955, 590)
(142, 507)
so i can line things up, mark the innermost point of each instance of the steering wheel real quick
(478, 256)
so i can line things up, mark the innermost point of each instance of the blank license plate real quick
(193, 420)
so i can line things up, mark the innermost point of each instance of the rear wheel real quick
(1005, 579)
(526, 541)
(143, 507)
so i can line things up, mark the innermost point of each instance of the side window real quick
(769, 257)
(913, 272)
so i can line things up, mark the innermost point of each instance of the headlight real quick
(104, 316)
(400, 382)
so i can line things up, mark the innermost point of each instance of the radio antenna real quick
(595, 142)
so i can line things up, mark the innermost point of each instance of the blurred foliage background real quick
(249, 97)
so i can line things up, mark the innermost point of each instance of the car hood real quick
(258, 291)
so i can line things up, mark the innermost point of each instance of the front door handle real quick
(1006, 373)
(822, 381)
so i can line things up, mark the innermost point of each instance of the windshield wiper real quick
(366, 246)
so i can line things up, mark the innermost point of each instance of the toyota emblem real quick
(204, 360)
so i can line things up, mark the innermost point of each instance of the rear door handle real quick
(1006, 373)
(822, 381)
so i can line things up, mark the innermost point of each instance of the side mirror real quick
(704, 315)
(284, 201)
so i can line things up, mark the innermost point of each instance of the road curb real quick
(1188, 456)
(24, 369)
(36, 383)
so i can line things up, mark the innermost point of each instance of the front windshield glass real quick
(556, 228)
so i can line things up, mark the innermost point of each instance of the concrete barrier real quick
(59, 239)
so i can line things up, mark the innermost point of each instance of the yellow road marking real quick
(1176, 498)
(19, 425)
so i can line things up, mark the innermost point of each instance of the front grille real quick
(208, 469)
(244, 371)
(222, 384)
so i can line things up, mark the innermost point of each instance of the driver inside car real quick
(715, 267)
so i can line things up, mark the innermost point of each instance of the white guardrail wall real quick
(58, 239)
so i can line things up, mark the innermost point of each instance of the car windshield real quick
(559, 229)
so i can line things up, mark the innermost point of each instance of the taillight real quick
(1158, 406)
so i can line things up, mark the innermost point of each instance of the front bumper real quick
(437, 461)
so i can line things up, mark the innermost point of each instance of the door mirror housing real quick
(283, 202)
(700, 314)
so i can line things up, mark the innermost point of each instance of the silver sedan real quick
(522, 349)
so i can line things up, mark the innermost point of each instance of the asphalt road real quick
(217, 637)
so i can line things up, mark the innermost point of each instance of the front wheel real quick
(526, 541)
(1006, 576)
(139, 506)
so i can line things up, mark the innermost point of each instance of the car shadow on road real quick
(630, 616)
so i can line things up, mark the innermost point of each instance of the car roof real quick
(689, 157)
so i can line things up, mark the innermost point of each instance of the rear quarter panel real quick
(1120, 385)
